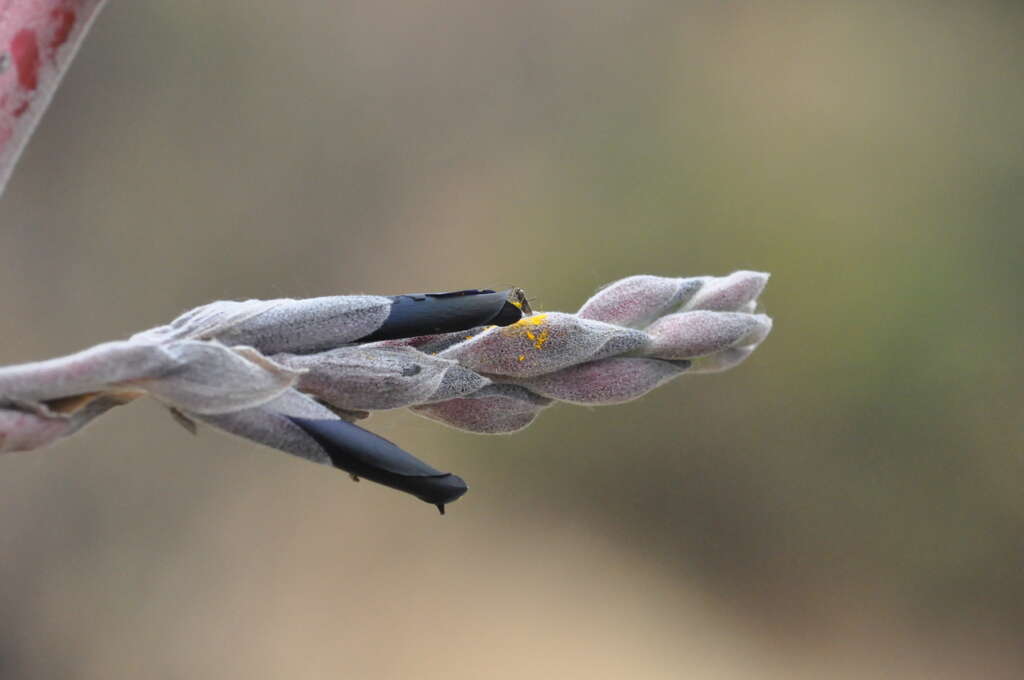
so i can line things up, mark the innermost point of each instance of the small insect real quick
(517, 296)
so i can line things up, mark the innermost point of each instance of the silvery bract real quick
(269, 424)
(375, 378)
(202, 377)
(294, 374)
(281, 325)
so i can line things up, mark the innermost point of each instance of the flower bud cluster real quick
(632, 336)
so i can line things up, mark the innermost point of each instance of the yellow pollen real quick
(523, 326)
(522, 357)
(535, 320)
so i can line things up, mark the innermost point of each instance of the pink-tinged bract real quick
(693, 334)
(606, 381)
(496, 409)
(733, 293)
(542, 343)
(638, 300)
(23, 431)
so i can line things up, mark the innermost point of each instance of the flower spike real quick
(294, 374)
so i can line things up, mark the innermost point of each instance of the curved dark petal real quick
(369, 456)
(433, 313)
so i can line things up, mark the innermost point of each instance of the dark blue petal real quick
(368, 456)
(433, 313)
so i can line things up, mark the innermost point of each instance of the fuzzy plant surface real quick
(295, 375)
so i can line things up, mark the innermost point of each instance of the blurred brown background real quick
(847, 504)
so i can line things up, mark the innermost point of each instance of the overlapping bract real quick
(632, 336)
(279, 371)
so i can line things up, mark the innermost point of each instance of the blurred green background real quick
(846, 504)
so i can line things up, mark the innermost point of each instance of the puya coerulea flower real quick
(295, 374)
